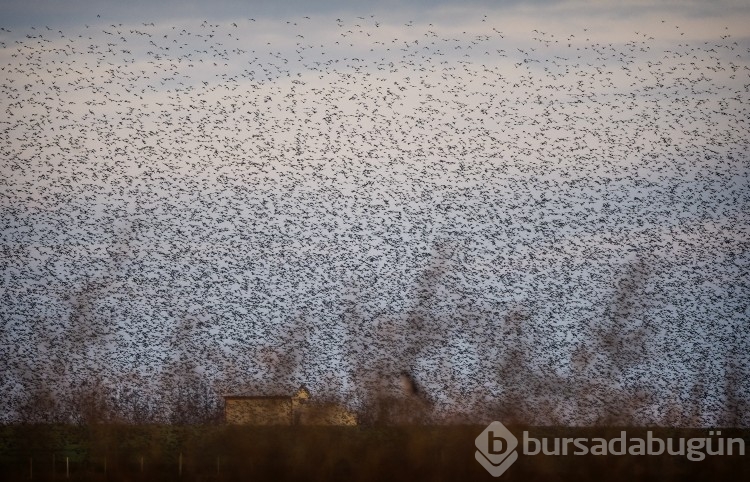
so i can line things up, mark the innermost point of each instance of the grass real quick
(234, 453)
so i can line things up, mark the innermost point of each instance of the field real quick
(229, 453)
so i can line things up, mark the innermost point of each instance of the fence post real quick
(31, 468)
(180, 465)
(141, 463)
(67, 467)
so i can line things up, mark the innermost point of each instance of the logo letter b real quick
(492, 440)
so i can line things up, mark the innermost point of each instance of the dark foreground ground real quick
(224, 453)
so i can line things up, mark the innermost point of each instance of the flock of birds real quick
(545, 226)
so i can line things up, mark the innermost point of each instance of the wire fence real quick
(61, 465)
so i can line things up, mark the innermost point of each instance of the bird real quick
(536, 223)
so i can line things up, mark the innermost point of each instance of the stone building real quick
(297, 409)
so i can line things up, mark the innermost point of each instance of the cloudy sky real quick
(537, 209)
(74, 12)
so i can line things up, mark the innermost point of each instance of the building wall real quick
(259, 411)
(296, 410)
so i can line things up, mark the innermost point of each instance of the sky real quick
(538, 210)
